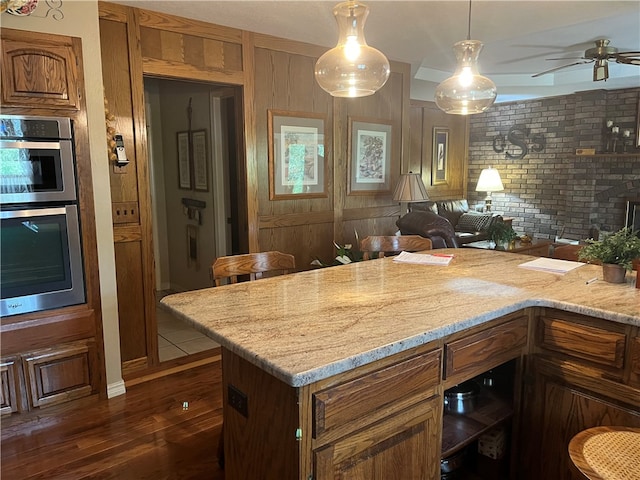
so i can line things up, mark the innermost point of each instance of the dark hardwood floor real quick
(148, 433)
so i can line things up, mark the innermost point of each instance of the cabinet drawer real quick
(472, 355)
(358, 402)
(589, 343)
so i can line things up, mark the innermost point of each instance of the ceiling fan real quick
(600, 55)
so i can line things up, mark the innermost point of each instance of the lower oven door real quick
(41, 264)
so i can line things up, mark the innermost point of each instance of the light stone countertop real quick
(311, 325)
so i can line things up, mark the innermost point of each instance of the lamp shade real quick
(352, 68)
(410, 188)
(489, 181)
(466, 92)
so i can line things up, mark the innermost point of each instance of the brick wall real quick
(553, 190)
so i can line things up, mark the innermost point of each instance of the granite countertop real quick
(310, 325)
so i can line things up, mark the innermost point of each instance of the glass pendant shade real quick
(352, 68)
(466, 92)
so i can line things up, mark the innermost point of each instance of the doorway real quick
(196, 164)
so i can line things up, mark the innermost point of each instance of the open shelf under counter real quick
(492, 408)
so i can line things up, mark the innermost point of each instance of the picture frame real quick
(369, 156)
(297, 163)
(440, 160)
(184, 161)
(200, 160)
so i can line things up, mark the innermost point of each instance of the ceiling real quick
(518, 36)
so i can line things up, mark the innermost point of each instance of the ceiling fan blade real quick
(563, 66)
(628, 60)
(628, 54)
(567, 58)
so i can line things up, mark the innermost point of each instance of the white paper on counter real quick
(552, 265)
(423, 259)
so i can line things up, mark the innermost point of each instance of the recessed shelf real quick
(492, 408)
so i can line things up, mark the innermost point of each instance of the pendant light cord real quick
(469, 26)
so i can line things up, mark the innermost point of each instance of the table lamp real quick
(410, 188)
(489, 181)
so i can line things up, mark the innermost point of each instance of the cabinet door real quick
(60, 373)
(556, 412)
(39, 70)
(10, 382)
(402, 447)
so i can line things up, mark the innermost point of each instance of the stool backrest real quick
(382, 244)
(252, 264)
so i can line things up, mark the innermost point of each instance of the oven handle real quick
(34, 145)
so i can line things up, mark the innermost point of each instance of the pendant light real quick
(352, 68)
(466, 92)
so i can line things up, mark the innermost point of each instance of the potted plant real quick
(616, 252)
(502, 234)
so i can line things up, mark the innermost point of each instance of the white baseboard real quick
(115, 389)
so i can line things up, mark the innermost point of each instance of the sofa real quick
(426, 219)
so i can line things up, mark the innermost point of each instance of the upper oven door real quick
(36, 171)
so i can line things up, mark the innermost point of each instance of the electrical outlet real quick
(238, 400)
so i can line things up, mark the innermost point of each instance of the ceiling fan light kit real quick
(466, 92)
(352, 68)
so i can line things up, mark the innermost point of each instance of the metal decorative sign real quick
(522, 138)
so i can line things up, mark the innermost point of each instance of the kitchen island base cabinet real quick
(379, 421)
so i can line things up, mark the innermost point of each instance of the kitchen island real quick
(342, 369)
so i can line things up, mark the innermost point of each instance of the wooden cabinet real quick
(578, 376)
(379, 421)
(10, 386)
(400, 447)
(54, 355)
(41, 71)
(382, 425)
(49, 376)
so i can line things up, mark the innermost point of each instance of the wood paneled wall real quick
(424, 117)
(274, 74)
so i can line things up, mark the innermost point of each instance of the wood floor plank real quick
(148, 433)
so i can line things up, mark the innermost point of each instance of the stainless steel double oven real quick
(41, 264)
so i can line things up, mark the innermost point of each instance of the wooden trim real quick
(294, 219)
(288, 46)
(250, 138)
(174, 366)
(132, 366)
(143, 179)
(370, 212)
(170, 69)
(60, 326)
(113, 12)
(172, 23)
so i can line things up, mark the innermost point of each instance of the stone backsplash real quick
(551, 191)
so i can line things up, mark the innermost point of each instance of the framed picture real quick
(439, 165)
(369, 156)
(200, 160)
(297, 163)
(184, 163)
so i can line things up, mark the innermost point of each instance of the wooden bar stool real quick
(607, 453)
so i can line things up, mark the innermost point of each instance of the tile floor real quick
(177, 339)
